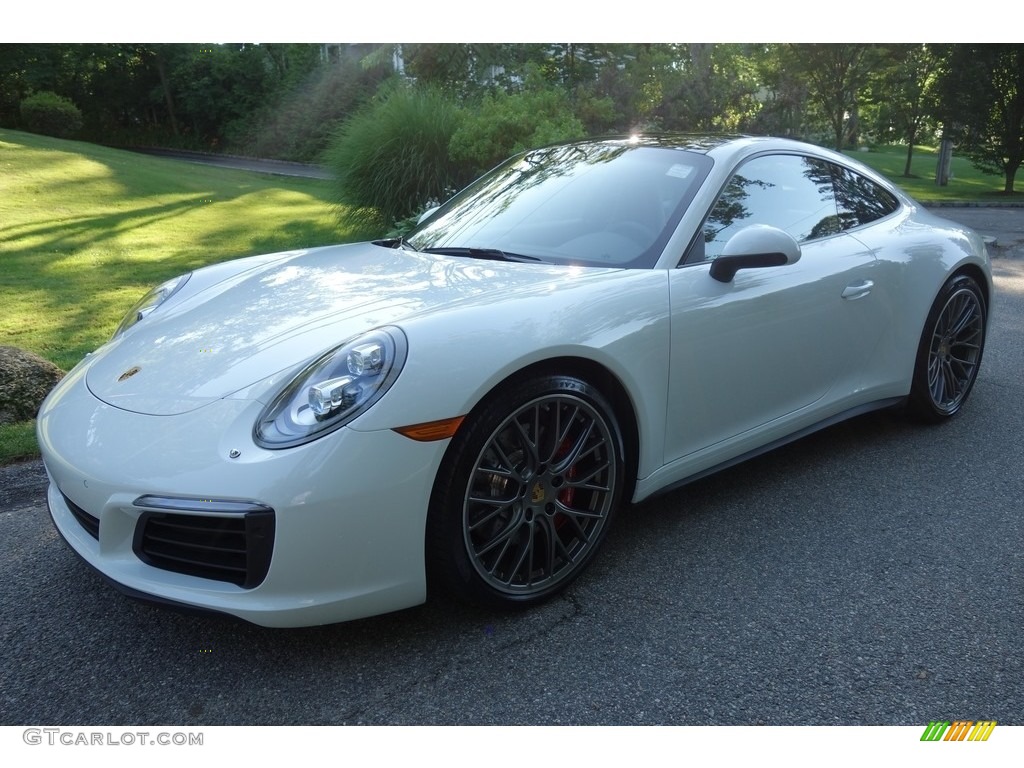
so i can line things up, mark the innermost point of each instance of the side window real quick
(791, 192)
(861, 200)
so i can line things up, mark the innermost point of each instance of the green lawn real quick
(86, 230)
(17, 441)
(967, 184)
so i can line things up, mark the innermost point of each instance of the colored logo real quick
(960, 730)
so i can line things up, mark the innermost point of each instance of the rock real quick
(25, 379)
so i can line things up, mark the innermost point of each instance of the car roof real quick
(734, 148)
(725, 146)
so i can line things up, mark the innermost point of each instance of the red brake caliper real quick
(566, 495)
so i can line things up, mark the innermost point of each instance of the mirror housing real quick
(758, 245)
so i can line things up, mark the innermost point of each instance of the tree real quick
(217, 88)
(903, 92)
(157, 59)
(713, 88)
(834, 74)
(784, 110)
(297, 124)
(71, 71)
(982, 105)
(464, 70)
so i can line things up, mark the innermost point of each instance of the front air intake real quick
(232, 548)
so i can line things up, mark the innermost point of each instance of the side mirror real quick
(758, 245)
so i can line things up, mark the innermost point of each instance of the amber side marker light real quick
(431, 430)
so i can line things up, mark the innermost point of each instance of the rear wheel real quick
(526, 492)
(949, 354)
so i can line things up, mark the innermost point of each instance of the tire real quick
(526, 493)
(949, 354)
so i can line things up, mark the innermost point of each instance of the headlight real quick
(333, 389)
(150, 302)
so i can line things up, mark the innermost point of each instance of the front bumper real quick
(349, 510)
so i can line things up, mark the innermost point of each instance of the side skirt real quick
(860, 410)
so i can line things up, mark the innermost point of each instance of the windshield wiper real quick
(492, 254)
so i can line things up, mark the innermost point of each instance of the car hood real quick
(269, 317)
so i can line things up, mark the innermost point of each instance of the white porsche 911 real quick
(314, 436)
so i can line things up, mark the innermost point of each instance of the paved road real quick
(1001, 224)
(274, 167)
(869, 574)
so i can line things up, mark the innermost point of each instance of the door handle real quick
(858, 290)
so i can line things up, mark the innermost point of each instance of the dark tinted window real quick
(791, 192)
(860, 200)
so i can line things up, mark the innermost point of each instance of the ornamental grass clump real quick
(392, 157)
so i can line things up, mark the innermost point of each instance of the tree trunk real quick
(910, 152)
(162, 71)
(945, 159)
(853, 128)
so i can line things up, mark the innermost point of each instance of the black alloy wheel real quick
(526, 493)
(949, 354)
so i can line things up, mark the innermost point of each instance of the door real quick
(776, 345)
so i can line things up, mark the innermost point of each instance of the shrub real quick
(25, 379)
(505, 124)
(391, 157)
(51, 115)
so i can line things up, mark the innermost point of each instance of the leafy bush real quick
(25, 380)
(504, 124)
(597, 113)
(391, 157)
(51, 115)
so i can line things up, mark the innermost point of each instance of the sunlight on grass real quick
(967, 184)
(85, 230)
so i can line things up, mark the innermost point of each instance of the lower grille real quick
(235, 549)
(87, 521)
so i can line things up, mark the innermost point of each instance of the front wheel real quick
(949, 354)
(526, 492)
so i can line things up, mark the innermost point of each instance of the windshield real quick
(600, 204)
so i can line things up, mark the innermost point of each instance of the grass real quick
(18, 441)
(967, 185)
(86, 230)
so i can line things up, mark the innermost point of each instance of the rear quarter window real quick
(860, 200)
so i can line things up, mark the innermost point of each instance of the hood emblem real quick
(129, 373)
